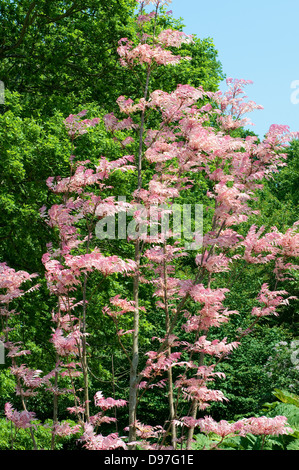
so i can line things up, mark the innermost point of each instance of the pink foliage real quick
(146, 431)
(77, 127)
(267, 426)
(65, 429)
(66, 345)
(21, 419)
(107, 403)
(258, 426)
(269, 300)
(11, 281)
(93, 441)
(173, 38)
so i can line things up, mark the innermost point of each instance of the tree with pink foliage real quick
(193, 135)
(185, 143)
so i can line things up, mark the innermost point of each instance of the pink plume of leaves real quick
(76, 126)
(21, 420)
(94, 441)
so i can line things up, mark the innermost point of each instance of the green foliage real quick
(286, 397)
(288, 406)
(30, 150)
(7, 386)
(53, 49)
(71, 52)
(12, 438)
(249, 382)
(282, 366)
(284, 186)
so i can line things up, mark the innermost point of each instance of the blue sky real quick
(256, 40)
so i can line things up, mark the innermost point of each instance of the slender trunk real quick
(135, 347)
(191, 429)
(55, 407)
(84, 330)
(135, 352)
(30, 429)
(194, 411)
(195, 403)
(12, 438)
(55, 398)
(84, 354)
(169, 372)
(113, 389)
(14, 364)
(171, 407)
(86, 381)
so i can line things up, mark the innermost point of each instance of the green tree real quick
(54, 50)
(59, 58)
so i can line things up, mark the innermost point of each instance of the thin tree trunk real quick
(195, 404)
(55, 398)
(84, 331)
(169, 372)
(135, 352)
(25, 409)
(135, 347)
(84, 353)
(194, 411)
(55, 407)
(171, 407)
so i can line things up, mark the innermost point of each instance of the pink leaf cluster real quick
(258, 426)
(145, 54)
(76, 127)
(65, 429)
(270, 300)
(93, 441)
(23, 419)
(173, 38)
(11, 281)
(107, 403)
(146, 431)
